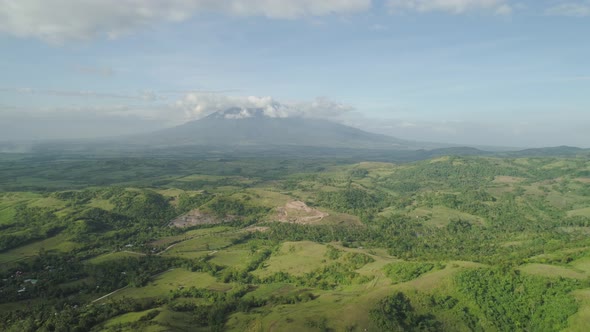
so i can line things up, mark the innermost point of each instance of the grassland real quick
(56, 244)
(106, 230)
(295, 258)
(162, 284)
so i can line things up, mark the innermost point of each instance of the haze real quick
(474, 72)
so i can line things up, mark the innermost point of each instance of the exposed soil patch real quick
(583, 180)
(298, 212)
(196, 217)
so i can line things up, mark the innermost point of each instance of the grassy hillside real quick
(445, 244)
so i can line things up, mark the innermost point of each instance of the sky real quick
(473, 72)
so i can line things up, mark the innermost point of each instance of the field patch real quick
(582, 264)
(547, 270)
(57, 243)
(48, 202)
(295, 258)
(268, 197)
(111, 256)
(169, 320)
(130, 317)
(168, 281)
(238, 258)
(440, 216)
(101, 204)
(584, 212)
(580, 321)
(266, 290)
(167, 240)
(7, 215)
(202, 245)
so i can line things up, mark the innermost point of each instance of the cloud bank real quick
(501, 7)
(574, 9)
(57, 21)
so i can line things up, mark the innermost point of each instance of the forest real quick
(164, 243)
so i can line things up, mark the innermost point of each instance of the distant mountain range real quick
(238, 127)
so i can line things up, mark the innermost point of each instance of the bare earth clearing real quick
(196, 217)
(298, 212)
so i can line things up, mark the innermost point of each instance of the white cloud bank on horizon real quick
(571, 8)
(500, 7)
(57, 21)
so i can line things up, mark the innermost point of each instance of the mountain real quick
(238, 127)
(253, 133)
(557, 151)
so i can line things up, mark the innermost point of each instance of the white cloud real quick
(56, 21)
(576, 9)
(197, 105)
(500, 7)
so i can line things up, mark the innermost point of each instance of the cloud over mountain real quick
(198, 105)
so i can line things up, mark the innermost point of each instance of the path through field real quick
(122, 288)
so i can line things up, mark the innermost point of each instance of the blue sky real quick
(486, 72)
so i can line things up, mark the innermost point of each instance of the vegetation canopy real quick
(451, 243)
